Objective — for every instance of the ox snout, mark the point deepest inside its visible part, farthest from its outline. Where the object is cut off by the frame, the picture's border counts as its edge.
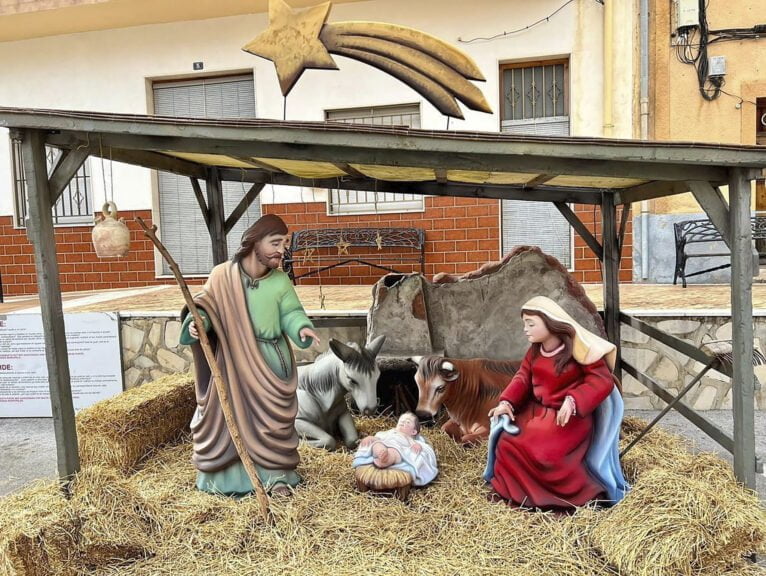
(424, 416)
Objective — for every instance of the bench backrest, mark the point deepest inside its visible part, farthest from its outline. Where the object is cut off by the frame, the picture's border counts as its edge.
(330, 237)
(690, 231)
(703, 230)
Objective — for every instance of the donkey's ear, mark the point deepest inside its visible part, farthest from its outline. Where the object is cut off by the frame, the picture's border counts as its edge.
(415, 359)
(375, 346)
(341, 350)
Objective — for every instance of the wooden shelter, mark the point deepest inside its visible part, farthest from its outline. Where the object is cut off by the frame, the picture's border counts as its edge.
(611, 174)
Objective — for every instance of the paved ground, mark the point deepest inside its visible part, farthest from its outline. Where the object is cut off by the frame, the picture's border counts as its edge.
(666, 298)
(29, 449)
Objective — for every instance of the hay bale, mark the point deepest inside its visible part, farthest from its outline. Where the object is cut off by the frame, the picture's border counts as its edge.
(681, 522)
(116, 522)
(121, 431)
(658, 449)
(38, 532)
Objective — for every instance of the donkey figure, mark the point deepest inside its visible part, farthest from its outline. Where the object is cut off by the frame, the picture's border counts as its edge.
(322, 388)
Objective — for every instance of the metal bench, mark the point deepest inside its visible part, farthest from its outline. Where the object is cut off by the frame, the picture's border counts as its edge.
(353, 245)
(690, 232)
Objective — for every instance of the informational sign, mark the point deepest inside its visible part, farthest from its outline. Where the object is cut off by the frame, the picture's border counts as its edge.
(95, 366)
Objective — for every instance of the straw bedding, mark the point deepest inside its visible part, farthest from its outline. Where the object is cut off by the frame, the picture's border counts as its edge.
(686, 515)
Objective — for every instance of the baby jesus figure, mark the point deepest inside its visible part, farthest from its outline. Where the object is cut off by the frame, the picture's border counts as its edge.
(400, 448)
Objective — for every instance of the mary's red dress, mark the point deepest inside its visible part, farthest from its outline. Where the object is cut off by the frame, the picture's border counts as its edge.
(544, 465)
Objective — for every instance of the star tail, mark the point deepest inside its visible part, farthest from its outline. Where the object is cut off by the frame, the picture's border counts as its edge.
(412, 38)
(419, 69)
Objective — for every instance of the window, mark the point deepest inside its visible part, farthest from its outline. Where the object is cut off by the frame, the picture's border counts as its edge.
(364, 202)
(75, 204)
(535, 98)
(183, 228)
(535, 101)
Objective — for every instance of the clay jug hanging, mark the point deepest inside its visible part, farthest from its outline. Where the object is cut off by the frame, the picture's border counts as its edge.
(111, 237)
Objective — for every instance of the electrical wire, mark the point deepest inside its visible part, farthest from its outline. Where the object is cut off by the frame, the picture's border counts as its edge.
(525, 28)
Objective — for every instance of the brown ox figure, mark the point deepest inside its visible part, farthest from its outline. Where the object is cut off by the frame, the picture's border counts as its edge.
(468, 389)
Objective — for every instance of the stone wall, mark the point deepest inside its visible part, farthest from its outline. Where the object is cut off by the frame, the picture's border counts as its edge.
(674, 370)
(150, 350)
(150, 347)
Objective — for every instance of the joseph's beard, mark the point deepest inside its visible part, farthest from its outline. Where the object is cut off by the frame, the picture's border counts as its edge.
(269, 260)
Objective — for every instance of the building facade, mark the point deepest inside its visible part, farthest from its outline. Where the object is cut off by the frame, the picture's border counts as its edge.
(706, 83)
(551, 67)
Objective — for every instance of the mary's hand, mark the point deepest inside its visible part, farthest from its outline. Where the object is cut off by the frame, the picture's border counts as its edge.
(193, 331)
(503, 408)
(565, 412)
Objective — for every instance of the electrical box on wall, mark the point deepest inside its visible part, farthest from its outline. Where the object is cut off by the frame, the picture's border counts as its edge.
(685, 14)
(716, 66)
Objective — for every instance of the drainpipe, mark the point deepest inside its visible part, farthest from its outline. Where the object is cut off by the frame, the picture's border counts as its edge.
(608, 72)
(644, 116)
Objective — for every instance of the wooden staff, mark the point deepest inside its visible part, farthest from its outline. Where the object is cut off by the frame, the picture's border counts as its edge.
(223, 394)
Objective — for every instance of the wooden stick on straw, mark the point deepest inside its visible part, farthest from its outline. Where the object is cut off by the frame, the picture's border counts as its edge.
(223, 394)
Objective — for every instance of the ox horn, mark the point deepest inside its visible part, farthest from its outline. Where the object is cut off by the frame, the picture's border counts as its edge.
(449, 373)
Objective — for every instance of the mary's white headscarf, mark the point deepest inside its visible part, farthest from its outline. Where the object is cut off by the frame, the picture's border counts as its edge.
(587, 347)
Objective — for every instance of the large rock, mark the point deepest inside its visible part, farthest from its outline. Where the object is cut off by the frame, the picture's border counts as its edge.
(478, 314)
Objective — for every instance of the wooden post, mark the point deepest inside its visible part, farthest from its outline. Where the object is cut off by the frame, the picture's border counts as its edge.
(40, 231)
(217, 221)
(742, 327)
(611, 273)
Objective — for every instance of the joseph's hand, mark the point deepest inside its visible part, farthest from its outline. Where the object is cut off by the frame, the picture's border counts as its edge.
(309, 333)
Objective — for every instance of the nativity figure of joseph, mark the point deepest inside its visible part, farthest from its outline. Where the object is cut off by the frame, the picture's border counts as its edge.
(249, 308)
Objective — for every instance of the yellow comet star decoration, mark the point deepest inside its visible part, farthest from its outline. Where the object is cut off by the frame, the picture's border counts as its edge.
(300, 40)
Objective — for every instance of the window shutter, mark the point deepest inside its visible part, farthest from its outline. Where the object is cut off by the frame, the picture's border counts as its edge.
(535, 103)
(182, 226)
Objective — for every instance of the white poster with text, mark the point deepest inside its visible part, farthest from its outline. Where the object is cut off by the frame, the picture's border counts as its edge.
(95, 366)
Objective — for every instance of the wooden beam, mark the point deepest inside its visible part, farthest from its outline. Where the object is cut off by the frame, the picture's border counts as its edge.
(40, 229)
(67, 166)
(242, 207)
(201, 201)
(308, 134)
(671, 341)
(684, 409)
(495, 191)
(624, 217)
(742, 328)
(158, 161)
(714, 204)
(649, 191)
(350, 170)
(256, 163)
(355, 148)
(217, 222)
(539, 179)
(581, 229)
(441, 175)
(611, 271)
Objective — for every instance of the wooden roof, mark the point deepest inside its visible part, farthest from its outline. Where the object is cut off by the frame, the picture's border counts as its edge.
(363, 157)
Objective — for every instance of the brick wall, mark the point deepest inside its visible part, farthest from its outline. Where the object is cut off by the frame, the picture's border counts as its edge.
(79, 267)
(461, 235)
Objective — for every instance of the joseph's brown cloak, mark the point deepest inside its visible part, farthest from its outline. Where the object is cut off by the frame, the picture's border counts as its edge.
(264, 405)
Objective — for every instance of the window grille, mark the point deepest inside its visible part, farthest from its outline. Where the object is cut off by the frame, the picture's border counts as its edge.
(75, 204)
(370, 202)
(535, 101)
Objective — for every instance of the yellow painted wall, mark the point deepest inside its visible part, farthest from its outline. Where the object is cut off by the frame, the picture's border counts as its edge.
(678, 111)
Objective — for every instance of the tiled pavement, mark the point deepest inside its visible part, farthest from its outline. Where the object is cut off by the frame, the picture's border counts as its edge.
(664, 298)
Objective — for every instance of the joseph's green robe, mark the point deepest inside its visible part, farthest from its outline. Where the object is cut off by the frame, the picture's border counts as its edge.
(273, 310)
